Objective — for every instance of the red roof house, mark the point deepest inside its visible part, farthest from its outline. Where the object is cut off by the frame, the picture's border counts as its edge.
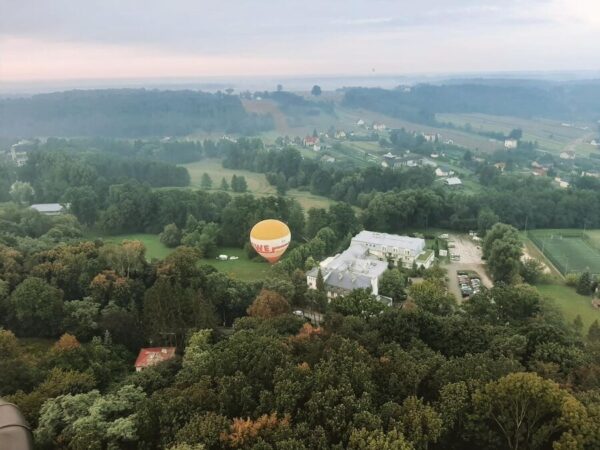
(310, 140)
(151, 356)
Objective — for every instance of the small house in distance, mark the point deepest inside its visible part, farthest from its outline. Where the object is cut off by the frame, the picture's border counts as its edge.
(569, 154)
(311, 141)
(453, 181)
(49, 209)
(511, 144)
(153, 355)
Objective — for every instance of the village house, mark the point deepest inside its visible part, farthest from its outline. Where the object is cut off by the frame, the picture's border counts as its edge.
(362, 264)
(501, 166)
(152, 356)
(360, 123)
(379, 126)
(340, 134)
(443, 171)
(408, 161)
(18, 152)
(310, 141)
(562, 183)
(431, 137)
(511, 144)
(569, 154)
(453, 182)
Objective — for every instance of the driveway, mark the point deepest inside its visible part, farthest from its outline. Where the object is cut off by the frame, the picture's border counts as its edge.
(470, 259)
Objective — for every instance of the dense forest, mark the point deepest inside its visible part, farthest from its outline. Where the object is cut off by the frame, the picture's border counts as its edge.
(502, 371)
(126, 113)
(420, 103)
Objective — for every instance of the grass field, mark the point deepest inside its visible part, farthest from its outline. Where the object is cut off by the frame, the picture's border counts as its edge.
(550, 135)
(241, 269)
(570, 303)
(257, 183)
(569, 251)
(154, 248)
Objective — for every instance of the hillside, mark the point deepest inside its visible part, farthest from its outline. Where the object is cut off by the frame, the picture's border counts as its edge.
(126, 113)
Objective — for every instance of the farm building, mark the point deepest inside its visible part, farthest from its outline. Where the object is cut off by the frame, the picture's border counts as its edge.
(364, 262)
(409, 161)
(310, 141)
(511, 144)
(151, 356)
(49, 209)
(431, 137)
(453, 181)
(443, 171)
(18, 152)
(569, 154)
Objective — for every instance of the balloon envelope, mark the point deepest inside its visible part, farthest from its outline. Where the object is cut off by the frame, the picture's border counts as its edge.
(270, 238)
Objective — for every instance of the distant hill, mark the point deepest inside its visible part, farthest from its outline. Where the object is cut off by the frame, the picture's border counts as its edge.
(126, 113)
(575, 100)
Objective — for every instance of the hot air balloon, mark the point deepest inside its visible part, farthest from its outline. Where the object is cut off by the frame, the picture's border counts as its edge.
(270, 238)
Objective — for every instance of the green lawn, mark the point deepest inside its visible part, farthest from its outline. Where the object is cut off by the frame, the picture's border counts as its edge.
(570, 303)
(241, 269)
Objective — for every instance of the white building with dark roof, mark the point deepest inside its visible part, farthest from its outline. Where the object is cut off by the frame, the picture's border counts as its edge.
(49, 209)
(362, 264)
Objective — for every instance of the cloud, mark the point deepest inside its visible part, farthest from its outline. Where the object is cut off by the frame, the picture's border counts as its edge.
(197, 38)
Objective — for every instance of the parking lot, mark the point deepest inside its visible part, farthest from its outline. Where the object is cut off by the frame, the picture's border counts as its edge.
(469, 261)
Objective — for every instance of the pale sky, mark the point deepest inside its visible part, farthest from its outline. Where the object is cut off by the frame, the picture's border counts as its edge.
(92, 39)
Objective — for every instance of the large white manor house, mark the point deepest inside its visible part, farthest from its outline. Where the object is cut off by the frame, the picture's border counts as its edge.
(362, 264)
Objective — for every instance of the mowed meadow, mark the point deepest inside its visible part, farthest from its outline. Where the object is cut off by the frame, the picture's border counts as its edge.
(257, 183)
(243, 268)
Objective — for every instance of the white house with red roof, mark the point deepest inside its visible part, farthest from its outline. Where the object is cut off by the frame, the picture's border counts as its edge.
(153, 355)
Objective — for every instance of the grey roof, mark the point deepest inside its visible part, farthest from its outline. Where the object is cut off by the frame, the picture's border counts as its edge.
(351, 269)
(391, 240)
(47, 207)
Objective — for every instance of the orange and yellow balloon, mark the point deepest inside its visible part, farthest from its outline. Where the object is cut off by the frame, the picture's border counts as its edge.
(270, 238)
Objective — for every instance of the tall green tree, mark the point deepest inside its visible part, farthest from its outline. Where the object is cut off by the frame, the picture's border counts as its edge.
(35, 308)
(523, 410)
(503, 250)
(206, 181)
(584, 284)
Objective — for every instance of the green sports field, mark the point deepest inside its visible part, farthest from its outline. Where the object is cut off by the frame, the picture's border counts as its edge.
(570, 251)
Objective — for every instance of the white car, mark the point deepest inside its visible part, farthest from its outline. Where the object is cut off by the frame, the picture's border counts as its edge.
(298, 313)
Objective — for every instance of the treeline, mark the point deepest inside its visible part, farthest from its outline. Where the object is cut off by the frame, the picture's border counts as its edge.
(53, 173)
(295, 105)
(287, 168)
(126, 113)
(170, 150)
(420, 103)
